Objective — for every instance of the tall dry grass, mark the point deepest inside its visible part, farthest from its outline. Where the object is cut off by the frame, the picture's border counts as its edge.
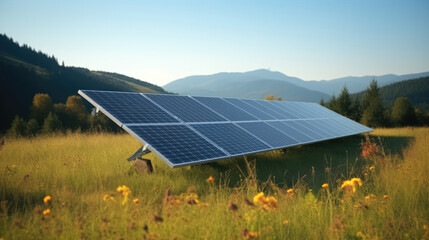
(81, 172)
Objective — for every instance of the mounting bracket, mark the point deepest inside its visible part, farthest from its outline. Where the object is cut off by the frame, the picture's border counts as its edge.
(142, 165)
(139, 153)
(95, 111)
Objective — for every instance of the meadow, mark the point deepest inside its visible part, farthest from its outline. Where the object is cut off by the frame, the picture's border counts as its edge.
(79, 186)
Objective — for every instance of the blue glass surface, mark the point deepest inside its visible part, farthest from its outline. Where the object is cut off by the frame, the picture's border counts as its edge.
(186, 130)
(249, 109)
(178, 143)
(185, 108)
(264, 107)
(291, 132)
(231, 138)
(269, 134)
(129, 107)
(225, 108)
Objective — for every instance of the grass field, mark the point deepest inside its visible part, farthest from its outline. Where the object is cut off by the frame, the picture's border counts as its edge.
(95, 194)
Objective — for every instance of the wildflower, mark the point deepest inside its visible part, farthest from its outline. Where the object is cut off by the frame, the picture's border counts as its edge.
(125, 192)
(350, 185)
(107, 197)
(372, 168)
(190, 198)
(257, 198)
(46, 212)
(385, 196)
(250, 234)
(325, 185)
(369, 197)
(290, 191)
(267, 202)
(47, 199)
(210, 179)
(286, 222)
(136, 201)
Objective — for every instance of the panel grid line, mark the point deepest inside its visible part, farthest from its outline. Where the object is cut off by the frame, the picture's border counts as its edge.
(186, 130)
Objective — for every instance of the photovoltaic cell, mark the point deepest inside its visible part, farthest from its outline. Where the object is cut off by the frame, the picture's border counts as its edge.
(185, 130)
(185, 108)
(225, 108)
(177, 143)
(266, 108)
(129, 107)
(290, 131)
(269, 134)
(231, 138)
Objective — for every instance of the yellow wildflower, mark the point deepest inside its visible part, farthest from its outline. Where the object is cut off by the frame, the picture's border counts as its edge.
(210, 179)
(125, 192)
(289, 191)
(372, 168)
(190, 198)
(286, 222)
(47, 199)
(136, 200)
(351, 185)
(257, 198)
(325, 185)
(107, 197)
(46, 212)
(267, 202)
(385, 196)
(250, 234)
(369, 197)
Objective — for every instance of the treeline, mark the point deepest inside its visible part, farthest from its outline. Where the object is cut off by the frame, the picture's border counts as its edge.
(26, 53)
(47, 117)
(370, 109)
(25, 72)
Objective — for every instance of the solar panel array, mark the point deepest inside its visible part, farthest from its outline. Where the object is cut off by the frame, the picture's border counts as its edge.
(185, 130)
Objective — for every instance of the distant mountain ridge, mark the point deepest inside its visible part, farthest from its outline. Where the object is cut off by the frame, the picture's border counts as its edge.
(270, 82)
(25, 72)
(253, 84)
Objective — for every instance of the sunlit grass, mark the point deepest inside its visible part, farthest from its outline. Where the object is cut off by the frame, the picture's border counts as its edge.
(86, 178)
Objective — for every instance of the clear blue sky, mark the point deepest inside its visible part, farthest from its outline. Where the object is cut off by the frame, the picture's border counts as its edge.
(160, 41)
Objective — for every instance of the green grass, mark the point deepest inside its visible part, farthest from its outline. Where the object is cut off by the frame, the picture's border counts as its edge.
(77, 170)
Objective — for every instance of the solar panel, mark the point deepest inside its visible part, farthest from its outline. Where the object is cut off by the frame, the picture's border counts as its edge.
(185, 130)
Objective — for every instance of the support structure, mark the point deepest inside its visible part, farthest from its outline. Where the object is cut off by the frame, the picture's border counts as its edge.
(143, 165)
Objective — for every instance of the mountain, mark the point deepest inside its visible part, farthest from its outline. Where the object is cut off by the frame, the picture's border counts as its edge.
(254, 84)
(357, 84)
(289, 88)
(25, 72)
(416, 90)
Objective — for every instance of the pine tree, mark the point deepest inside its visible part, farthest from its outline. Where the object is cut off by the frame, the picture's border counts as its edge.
(374, 113)
(344, 103)
(51, 123)
(403, 113)
(18, 127)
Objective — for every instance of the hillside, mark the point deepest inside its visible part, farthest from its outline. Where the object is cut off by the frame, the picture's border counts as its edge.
(416, 90)
(255, 84)
(290, 88)
(25, 72)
